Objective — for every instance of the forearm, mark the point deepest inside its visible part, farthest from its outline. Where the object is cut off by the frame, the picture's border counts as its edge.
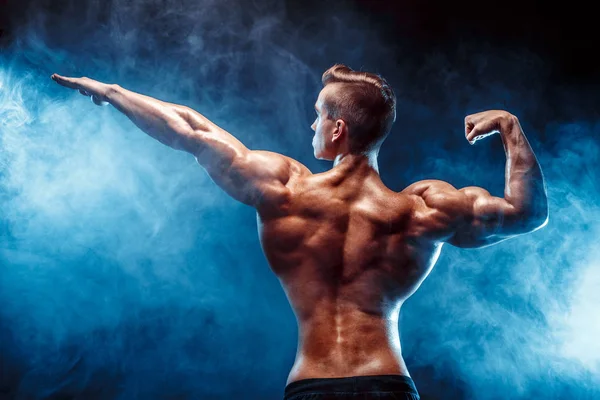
(176, 126)
(524, 187)
(166, 122)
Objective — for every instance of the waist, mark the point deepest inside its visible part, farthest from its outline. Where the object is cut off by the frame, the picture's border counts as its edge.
(381, 362)
(352, 384)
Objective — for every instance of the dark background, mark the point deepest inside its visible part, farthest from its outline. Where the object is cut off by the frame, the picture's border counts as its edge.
(126, 273)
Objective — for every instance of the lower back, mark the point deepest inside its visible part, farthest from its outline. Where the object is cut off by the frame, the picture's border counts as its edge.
(348, 343)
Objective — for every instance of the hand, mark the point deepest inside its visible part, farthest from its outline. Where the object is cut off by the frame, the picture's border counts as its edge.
(86, 86)
(486, 123)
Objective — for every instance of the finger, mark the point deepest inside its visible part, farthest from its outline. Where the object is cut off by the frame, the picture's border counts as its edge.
(473, 134)
(71, 83)
(468, 127)
(473, 120)
(478, 133)
(473, 131)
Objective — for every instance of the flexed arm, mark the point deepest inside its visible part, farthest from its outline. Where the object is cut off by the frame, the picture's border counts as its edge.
(256, 178)
(471, 217)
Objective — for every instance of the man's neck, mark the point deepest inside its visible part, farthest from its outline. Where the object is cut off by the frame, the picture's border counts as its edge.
(357, 161)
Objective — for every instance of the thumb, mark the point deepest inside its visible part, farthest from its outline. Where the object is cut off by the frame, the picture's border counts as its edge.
(472, 132)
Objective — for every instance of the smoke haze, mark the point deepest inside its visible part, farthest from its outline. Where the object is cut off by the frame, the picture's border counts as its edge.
(126, 272)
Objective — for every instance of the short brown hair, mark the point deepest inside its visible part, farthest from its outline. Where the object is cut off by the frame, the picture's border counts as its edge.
(367, 104)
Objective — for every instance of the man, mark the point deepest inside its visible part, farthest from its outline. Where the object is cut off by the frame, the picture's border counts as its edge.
(347, 250)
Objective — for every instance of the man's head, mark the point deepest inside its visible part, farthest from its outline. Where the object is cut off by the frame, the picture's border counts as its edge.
(355, 112)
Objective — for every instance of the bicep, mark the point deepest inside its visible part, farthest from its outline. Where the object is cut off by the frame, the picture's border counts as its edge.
(483, 219)
(467, 217)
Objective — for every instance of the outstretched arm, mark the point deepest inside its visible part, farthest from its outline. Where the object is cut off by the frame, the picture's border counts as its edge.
(471, 217)
(256, 178)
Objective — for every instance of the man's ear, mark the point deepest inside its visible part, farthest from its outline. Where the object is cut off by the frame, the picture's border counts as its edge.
(340, 130)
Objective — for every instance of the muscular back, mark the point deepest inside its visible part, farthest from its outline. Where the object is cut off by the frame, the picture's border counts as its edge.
(347, 251)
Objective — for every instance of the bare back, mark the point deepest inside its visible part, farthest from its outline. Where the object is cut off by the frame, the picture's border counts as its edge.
(347, 253)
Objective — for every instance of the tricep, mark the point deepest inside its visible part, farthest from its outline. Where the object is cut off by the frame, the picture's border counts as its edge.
(468, 217)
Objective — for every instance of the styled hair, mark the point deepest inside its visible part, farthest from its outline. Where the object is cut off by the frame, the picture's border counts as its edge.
(365, 101)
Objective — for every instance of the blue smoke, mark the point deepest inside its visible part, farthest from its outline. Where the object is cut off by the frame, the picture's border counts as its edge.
(126, 273)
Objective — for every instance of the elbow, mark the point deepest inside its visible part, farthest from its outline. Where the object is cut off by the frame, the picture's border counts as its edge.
(189, 141)
(537, 224)
(537, 220)
(535, 215)
(542, 216)
(186, 136)
(543, 220)
(525, 222)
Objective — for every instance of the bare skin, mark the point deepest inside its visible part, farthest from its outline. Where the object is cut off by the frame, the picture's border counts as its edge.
(347, 250)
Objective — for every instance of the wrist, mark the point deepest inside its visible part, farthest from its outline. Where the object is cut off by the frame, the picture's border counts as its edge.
(510, 132)
(507, 124)
(110, 91)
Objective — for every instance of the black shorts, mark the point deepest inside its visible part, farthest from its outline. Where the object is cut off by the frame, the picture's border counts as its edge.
(381, 387)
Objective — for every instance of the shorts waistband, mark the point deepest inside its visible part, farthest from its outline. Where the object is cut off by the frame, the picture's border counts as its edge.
(368, 383)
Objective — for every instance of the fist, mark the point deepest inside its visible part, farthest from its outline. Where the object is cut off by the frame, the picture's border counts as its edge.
(486, 123)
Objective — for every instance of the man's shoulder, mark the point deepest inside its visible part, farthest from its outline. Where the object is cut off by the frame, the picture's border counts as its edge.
(420, 187)
(275, 200)
(294, 166)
